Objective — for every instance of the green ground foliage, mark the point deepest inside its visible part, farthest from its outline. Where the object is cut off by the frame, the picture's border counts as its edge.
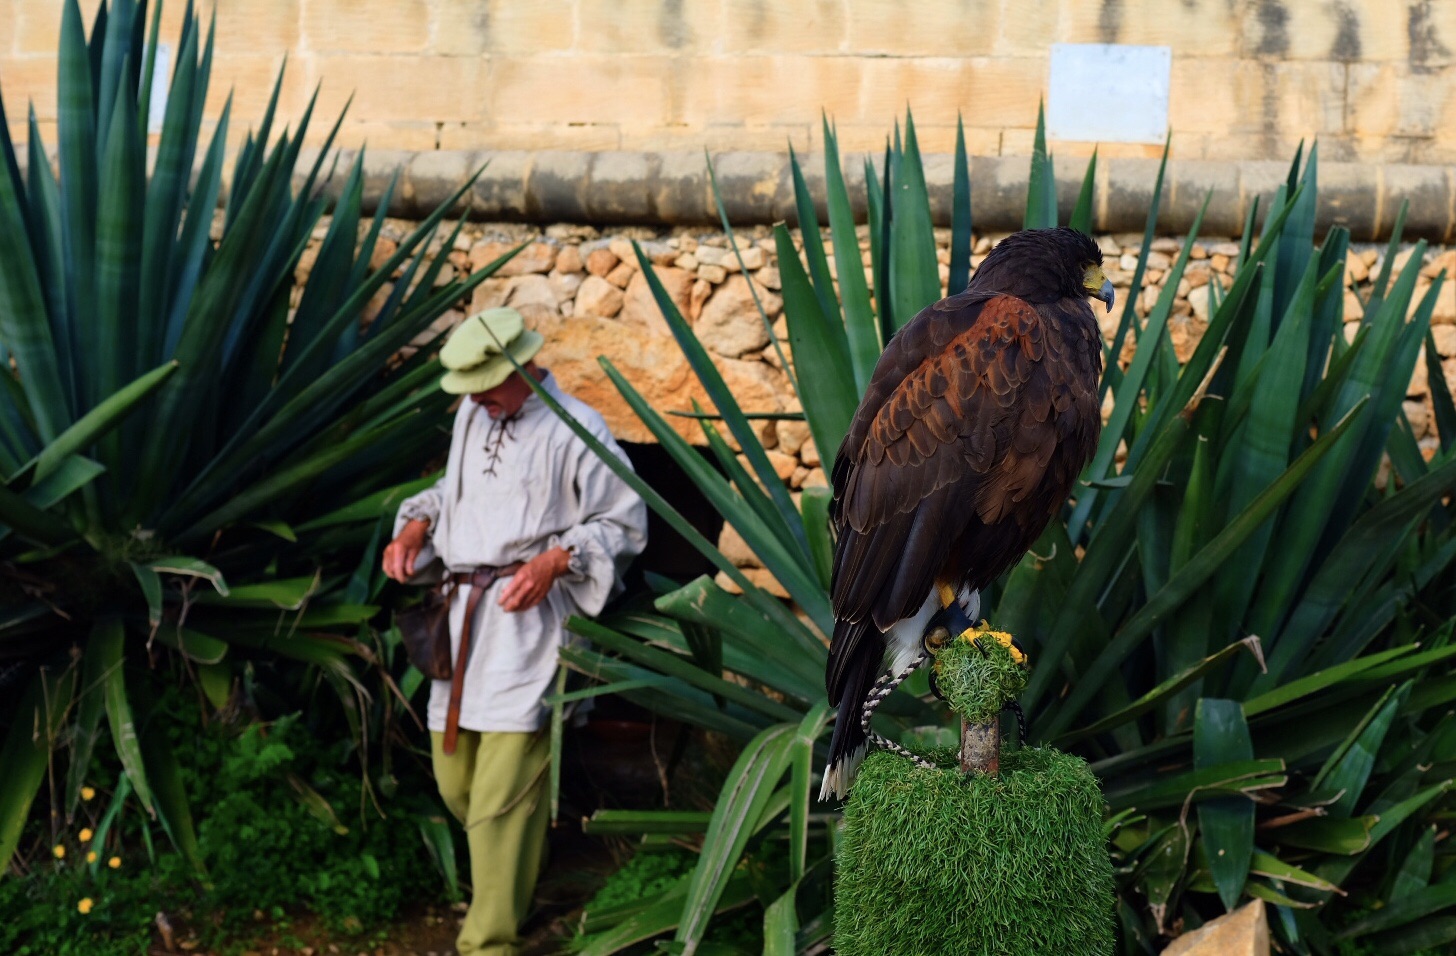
(978, 676)
(938, 861)
(643, 875)
(291, 831)
(629, 894)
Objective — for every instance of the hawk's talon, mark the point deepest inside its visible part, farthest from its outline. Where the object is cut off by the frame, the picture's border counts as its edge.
(935, 687)
(976, 643)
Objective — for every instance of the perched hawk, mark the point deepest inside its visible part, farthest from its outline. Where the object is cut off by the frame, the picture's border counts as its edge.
(980, 415)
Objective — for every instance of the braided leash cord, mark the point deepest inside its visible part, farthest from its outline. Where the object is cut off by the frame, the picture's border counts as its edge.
(883, 688)
(1015, 708)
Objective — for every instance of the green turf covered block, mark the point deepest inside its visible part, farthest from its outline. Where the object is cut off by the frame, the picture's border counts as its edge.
(938, 861)
(943, 863)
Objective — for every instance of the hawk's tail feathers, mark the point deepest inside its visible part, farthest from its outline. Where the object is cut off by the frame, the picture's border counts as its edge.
(849, 745)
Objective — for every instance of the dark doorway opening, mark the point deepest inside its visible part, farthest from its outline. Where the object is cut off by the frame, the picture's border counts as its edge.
(669, 553)
(622, 755)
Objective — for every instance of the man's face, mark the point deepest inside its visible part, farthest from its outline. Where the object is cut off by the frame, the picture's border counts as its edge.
(505, 399)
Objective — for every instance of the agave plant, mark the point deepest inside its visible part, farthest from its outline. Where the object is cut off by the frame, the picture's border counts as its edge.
(1245, 635)
(194, 455)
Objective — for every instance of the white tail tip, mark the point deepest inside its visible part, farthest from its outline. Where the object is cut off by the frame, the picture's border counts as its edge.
(839, 775)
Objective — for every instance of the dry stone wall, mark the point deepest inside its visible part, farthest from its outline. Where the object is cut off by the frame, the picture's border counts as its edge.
(584, 290)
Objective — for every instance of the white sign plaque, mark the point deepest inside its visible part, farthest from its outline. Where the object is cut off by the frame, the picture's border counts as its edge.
(1109, 93)
(157, 108)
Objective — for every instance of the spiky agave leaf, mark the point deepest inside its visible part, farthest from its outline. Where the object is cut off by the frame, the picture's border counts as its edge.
(171, 421)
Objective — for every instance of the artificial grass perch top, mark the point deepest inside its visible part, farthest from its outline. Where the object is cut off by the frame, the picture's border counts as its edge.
(979, 673)
(940, 862)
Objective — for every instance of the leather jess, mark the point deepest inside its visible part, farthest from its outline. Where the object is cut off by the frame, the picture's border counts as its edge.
(480, 581)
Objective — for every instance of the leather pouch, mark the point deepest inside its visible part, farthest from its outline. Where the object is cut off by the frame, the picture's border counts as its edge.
(426, 632)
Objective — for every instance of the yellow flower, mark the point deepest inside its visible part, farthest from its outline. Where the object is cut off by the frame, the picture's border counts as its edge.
(87, 793)
(59, 851)
(91, 857)
(114, 863)
(85, 905)
(86, 834)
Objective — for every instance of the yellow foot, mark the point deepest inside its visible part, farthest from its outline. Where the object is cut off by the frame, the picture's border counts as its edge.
(976, 634)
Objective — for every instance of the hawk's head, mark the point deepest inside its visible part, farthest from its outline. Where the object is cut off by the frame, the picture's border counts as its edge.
(1045, 265)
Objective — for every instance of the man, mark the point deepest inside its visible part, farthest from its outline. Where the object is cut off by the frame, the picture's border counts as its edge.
(533, 525)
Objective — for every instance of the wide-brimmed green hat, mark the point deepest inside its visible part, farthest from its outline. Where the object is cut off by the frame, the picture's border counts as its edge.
(472, 355)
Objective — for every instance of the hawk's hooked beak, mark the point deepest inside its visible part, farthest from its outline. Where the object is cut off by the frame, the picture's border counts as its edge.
(1098, 286)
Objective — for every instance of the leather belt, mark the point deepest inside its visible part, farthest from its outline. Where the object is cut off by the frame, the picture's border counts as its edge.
(480, 581)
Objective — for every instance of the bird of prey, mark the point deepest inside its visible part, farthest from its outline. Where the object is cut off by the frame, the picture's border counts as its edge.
(980, 414)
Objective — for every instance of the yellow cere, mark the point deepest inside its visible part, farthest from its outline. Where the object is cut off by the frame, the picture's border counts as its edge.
(1094, 278)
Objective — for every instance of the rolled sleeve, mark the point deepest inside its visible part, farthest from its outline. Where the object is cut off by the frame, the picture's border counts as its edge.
(611, 532)
(423, 506)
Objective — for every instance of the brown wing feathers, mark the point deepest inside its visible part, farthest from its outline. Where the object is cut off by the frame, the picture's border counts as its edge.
(959, 426)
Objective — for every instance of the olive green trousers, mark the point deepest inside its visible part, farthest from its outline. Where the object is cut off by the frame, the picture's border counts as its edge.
(495, 785)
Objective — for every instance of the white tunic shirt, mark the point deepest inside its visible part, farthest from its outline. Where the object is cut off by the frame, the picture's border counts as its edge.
(513, 489)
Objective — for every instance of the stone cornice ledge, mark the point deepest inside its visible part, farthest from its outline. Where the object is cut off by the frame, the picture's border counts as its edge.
(672, 188)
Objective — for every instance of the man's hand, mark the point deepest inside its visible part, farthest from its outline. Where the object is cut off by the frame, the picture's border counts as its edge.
(528, 587)
(400, 554)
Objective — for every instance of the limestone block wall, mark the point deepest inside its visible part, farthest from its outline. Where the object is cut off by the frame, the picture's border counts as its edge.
(1372, 79)
(584, 290)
